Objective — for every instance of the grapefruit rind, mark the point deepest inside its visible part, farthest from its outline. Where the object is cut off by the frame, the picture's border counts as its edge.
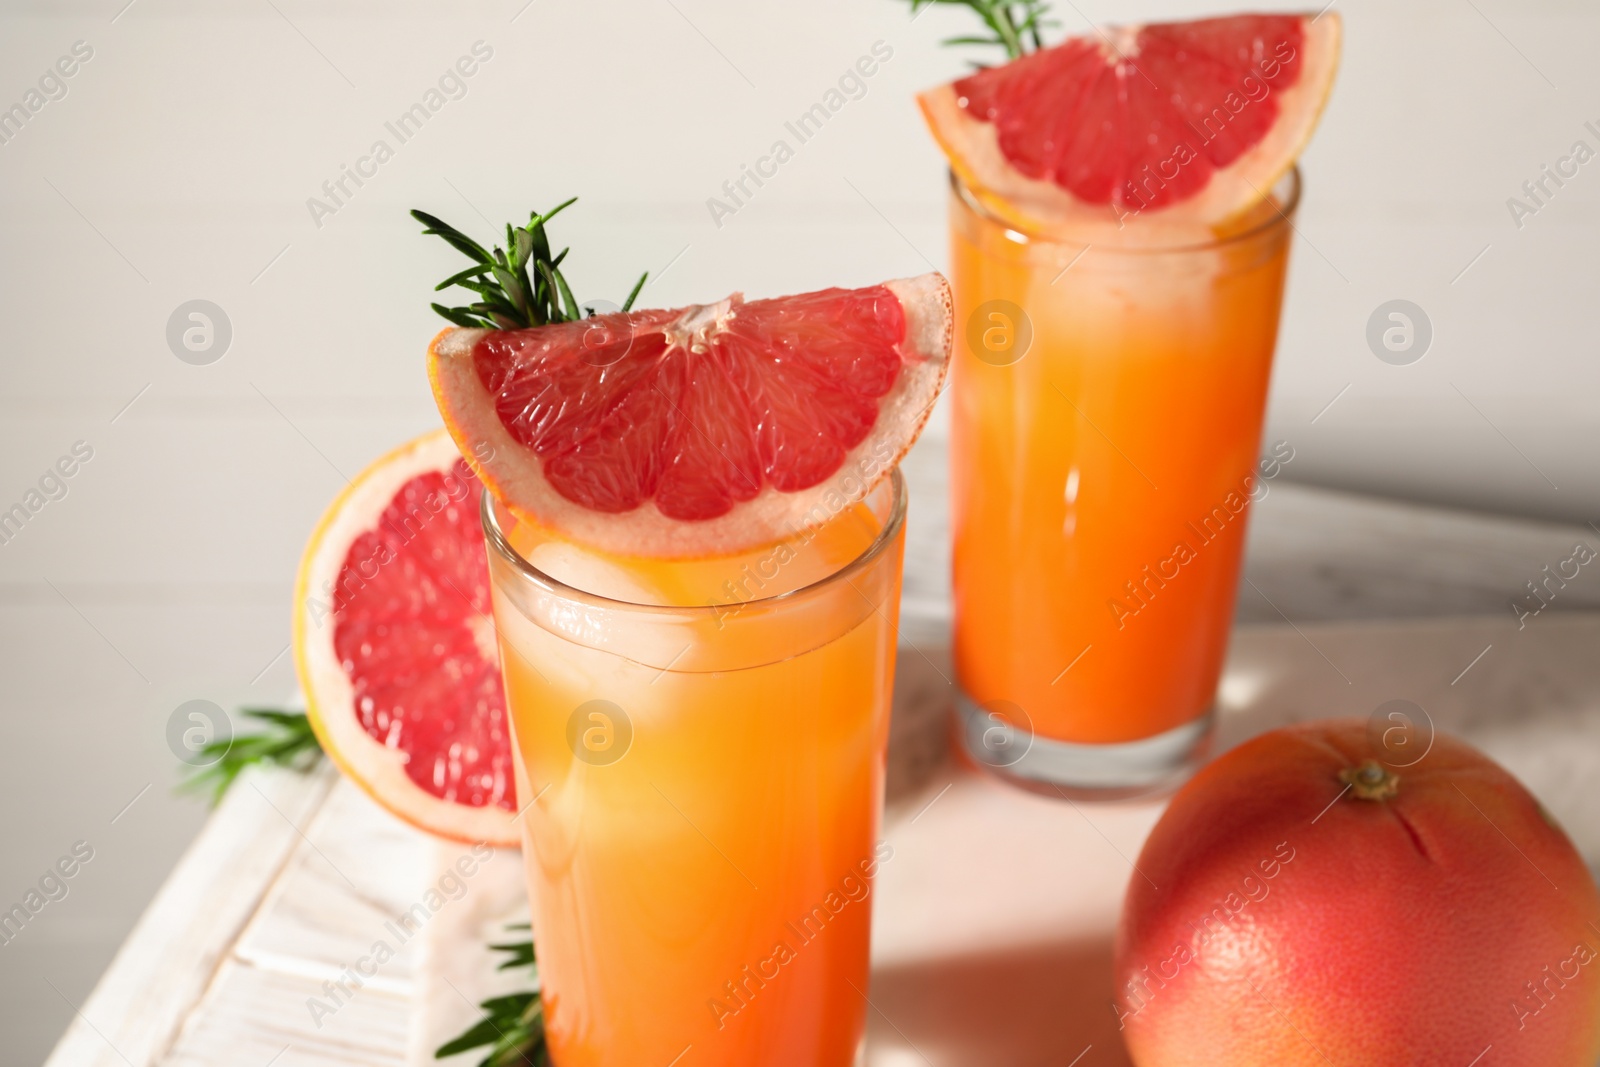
(516, 477)
(1042, 207)
(378, 770)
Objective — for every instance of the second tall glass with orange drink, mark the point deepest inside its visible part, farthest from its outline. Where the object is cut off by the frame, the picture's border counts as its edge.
(1108, 405)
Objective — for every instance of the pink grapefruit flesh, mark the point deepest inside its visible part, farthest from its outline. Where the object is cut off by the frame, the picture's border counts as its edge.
(1190, 122)
(699, 431)
(395, 645)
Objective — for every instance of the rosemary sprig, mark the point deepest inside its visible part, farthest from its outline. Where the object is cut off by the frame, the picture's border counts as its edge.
(512, 1025)
(518, 286)
(286, 741)
(1015, 26)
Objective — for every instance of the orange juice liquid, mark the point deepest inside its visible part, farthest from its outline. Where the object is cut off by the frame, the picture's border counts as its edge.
(1101, 481)
(705, 789)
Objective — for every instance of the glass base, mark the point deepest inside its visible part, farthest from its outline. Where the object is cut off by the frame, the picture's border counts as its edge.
(1082, 771)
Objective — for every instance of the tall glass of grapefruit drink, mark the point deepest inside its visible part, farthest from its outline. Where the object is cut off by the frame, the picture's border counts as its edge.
(1120, 213)
(695, 532)
(705, 781)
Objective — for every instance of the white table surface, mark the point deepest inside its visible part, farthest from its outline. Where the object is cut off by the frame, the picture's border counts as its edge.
(993, 921)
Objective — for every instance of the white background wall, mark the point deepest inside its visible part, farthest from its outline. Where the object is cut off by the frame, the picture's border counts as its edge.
(179, 164)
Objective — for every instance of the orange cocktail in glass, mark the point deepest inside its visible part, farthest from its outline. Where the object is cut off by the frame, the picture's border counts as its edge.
(1120, 223)
(701, 746)
(1108, 403)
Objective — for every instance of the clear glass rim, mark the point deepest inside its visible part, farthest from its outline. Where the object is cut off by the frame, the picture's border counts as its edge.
(1285, 213)
(495, 540)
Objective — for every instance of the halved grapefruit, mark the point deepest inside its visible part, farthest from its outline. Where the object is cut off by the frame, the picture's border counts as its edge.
(395, 645)
(700, 431)
(1180, 124)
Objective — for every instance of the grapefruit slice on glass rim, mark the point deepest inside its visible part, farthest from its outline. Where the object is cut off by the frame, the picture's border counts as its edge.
(395, 646)
(700, 431)
(1180, 124)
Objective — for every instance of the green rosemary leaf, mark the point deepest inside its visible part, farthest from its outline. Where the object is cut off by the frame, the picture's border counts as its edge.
(512, 1027)
(287, 741)
(1016, 24)
(540, 244)
(516, 296)
(541, 240)
(484, 1032)
(510, 1004)
(627, 305)
(459, 316)
(520, 284)
(514, 1050)
(468, 247)
(520, 954)
(541, 292)
(457, 279)
(487, 289)
(522, 251)
(558, 209)
(552, 289)
(276, 715)
(499, 311)
(573, 310)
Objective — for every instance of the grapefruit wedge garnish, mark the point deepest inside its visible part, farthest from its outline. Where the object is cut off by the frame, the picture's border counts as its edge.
(700, 431)
(1180, 124)
(395, 645)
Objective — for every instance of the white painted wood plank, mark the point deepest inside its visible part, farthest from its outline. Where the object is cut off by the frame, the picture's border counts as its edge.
(457, 970)
(255, 1017)
(358, 869)
(328, 967)
(1326, 555)
(164, 966)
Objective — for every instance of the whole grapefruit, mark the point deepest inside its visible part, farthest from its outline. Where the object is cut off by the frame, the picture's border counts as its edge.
(1304, 902)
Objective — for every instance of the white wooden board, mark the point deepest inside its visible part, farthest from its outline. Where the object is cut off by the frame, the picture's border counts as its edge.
(993, 922)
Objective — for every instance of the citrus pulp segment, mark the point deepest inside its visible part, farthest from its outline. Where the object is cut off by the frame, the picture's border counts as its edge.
(395, 646)
(701, 431)
(1173, 126)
